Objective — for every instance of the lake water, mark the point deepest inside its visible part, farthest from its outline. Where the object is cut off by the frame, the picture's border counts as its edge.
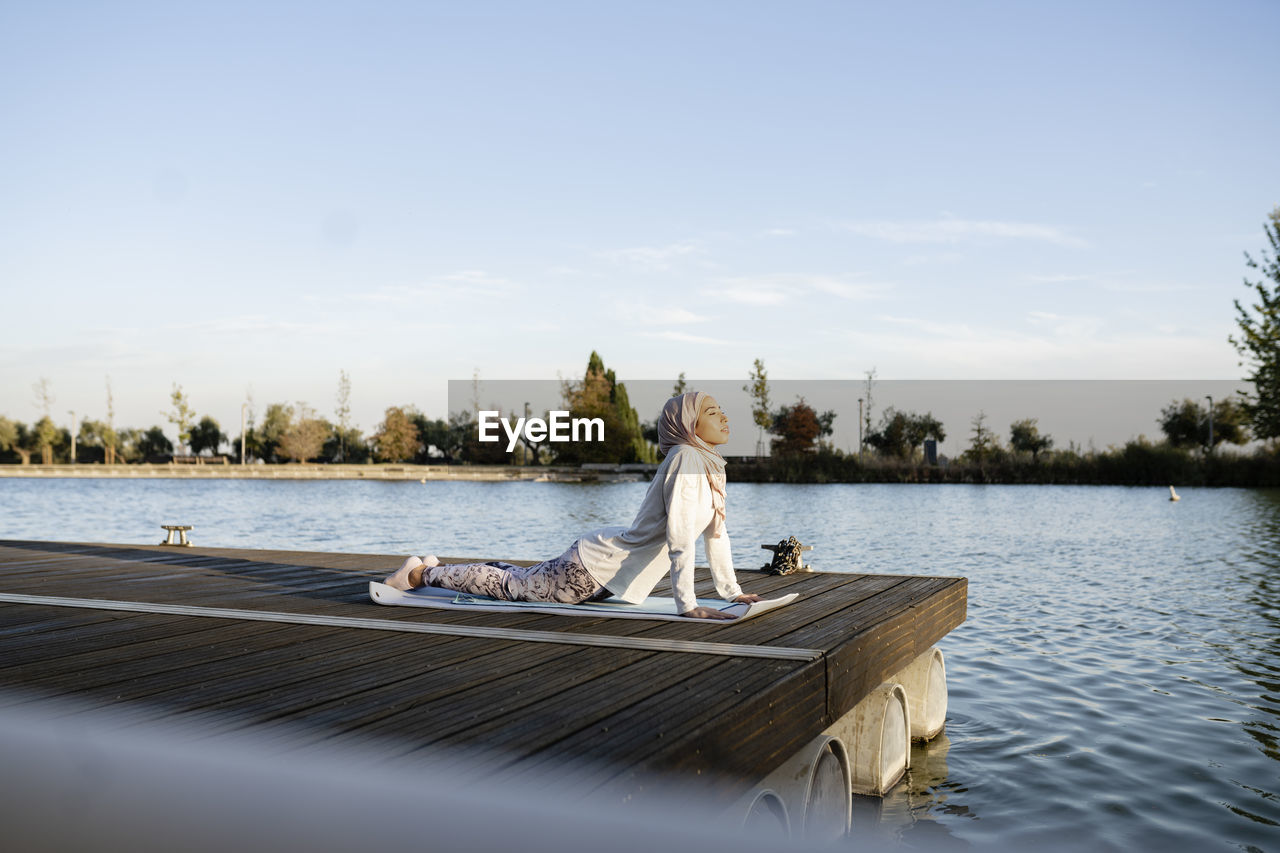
(1116, 685)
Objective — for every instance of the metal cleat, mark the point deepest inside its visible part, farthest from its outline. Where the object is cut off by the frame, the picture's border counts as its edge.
(177, 532)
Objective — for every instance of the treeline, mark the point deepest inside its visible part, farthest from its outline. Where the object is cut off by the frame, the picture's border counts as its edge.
(296, 433)
(902, 448)
(1139, 462)
(285, 433)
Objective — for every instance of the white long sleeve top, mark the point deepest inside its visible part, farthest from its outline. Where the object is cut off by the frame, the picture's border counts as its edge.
(676, 510)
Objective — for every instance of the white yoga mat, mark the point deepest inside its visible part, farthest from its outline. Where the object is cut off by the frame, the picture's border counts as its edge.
(651, 608)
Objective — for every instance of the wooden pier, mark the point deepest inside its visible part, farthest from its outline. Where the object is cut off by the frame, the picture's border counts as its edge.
(289, 642)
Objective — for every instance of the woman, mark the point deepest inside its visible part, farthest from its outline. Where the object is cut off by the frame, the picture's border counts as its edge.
(685, 500)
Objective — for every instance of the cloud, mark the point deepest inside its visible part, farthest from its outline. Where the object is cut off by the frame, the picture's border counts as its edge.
(257, 324)
(657, 316)
(464, 283)
(1059, 278)
(243, 324)
(540, 327)
(477, 278)
(685, 338)
(1049, 346)
(776, 289)
(1067, 326)
(1116, 282)
(748, 292)
(651, 257)
(83, 353)
(946, 258)
(1059, 327)
(1149, 287)
(960, 231)
(845, 289)
(778, 232)
(678, 316)
(930, 328)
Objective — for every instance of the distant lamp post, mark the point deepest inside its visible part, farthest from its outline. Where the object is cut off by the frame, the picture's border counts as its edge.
(74, 430)
(524, 448)
(243, 407)
(1210, 399)
(859, 429)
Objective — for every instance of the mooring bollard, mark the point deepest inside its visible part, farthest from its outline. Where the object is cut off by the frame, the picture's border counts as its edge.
(787, 557)
(179, 531)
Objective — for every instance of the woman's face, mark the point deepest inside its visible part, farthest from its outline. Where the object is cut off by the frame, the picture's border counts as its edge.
(713, 424)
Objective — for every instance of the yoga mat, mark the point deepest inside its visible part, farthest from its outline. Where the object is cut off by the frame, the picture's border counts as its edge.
(653, 607)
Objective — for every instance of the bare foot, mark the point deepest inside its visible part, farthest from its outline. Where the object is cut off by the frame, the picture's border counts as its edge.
(403, 578)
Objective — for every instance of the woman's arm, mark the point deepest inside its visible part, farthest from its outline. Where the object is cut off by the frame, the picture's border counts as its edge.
(720, 559)
(681, 493)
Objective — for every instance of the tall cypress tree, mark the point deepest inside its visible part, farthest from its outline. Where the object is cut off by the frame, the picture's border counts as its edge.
(1259, 341)
(601, 395)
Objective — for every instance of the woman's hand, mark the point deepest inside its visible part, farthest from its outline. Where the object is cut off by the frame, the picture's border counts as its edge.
(748, 598)
(707, 613)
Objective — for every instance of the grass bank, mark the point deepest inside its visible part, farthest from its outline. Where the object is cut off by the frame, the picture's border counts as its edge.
(171, 471)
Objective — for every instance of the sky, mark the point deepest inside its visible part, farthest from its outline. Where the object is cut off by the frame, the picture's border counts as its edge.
(245, 199)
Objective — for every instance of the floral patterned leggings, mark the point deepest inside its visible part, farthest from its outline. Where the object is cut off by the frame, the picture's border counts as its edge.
(563, 580)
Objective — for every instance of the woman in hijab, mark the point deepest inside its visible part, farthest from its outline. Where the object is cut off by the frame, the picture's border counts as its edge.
(685, 500)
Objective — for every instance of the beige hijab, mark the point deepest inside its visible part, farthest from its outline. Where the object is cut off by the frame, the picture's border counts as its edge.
(676, 426)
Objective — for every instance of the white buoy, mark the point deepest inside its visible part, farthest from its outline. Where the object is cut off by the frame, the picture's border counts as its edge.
(829, 803)
(1174, 496)
(867, 751)
(878, 734)
(813, 789)
(766, 816)
(925, 681)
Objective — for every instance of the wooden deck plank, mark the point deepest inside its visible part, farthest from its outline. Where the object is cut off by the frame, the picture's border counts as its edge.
(719, 748)
(222, 676)
(95, 632)
(151, 648)
(464, 705)
(860, 663)
(18, 621)
(672, 725)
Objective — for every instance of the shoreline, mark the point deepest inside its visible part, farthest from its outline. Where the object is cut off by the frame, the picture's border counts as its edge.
(1118, 470)
(465, 473)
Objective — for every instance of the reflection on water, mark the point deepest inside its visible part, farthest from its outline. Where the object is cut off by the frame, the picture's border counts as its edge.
(1116, 685)
(1257, 652)
(922, 808)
